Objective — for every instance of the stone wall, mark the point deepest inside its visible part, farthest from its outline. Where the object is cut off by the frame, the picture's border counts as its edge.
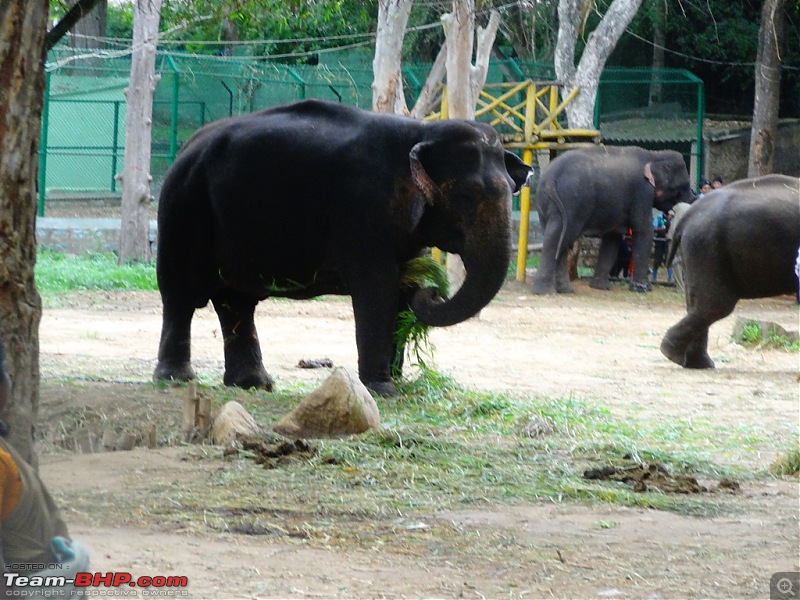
(727, 154)
(78, 236)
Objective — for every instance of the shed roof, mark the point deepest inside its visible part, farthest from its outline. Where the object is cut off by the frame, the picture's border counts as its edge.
(641, 130)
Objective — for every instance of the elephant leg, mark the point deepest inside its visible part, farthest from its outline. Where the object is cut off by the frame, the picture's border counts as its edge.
(563, 284)
(544, 278)
(174, 349)
(606, 257)
(686, 342)
(642, 248)
(243, 363)
(375, 311)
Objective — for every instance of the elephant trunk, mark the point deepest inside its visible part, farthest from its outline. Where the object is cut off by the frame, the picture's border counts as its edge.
(486, 262)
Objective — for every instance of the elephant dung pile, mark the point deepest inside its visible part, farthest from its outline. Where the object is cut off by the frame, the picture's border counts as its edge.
(655, 477)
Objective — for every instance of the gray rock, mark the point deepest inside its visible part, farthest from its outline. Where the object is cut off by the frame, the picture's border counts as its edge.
(340, 406)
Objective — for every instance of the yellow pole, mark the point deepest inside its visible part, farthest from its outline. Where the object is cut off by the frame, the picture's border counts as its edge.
(524, 218)
(436, 255)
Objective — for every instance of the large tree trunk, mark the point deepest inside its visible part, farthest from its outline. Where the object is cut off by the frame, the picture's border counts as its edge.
(134, 235)
(85, 38)
(659, 39)
(572, 15)
(22, 36)
(427, 95)
(465, 81)
(767, 89)
(387, 85)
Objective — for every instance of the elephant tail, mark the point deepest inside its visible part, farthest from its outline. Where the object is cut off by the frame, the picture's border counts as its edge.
(552, 191)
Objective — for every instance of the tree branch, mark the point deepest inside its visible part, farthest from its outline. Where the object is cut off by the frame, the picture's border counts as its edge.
(79, 10)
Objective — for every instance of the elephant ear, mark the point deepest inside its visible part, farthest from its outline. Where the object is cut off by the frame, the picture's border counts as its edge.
(420, 176)
(428, 189)
(518, 171)
(648, 174)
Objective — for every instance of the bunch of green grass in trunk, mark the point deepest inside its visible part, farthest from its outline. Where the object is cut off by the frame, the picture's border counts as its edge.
(411, 335)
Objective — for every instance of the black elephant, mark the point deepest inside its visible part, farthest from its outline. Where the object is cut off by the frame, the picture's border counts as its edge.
(738, 241)
(319, 198)
(602, 192)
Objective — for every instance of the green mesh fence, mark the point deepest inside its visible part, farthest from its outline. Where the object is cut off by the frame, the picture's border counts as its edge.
(657, 109)
(83, 126)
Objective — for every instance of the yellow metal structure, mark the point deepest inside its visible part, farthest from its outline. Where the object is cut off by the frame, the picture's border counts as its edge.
(526, 114)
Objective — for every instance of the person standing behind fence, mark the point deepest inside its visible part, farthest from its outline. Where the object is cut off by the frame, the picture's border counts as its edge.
(660, 227)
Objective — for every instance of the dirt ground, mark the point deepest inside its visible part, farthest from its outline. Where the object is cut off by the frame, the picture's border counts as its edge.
(601, 347)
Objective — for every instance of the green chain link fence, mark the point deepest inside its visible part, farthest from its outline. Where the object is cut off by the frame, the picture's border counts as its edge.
(83, 125)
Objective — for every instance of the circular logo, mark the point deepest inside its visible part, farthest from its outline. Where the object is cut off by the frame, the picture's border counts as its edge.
(784, 585)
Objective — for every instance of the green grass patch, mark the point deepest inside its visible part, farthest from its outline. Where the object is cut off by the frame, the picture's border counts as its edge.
(58, 273)
(444, 446)
(752, 335)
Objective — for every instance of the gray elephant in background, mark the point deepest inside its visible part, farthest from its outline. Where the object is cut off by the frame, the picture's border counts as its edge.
(601, 192)
(739, 241)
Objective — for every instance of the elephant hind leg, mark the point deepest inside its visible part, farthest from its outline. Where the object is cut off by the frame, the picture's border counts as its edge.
(174, 349)
(243, 363)
(686, 342)
(546, 280)
(606, 257)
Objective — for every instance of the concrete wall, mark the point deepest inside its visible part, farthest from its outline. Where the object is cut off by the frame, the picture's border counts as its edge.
(78, 236)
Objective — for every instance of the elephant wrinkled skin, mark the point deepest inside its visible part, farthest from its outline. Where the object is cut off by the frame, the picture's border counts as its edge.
(601, 192)
(319, 198)
(738, 241)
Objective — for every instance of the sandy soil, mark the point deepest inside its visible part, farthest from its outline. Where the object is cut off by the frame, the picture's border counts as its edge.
(601, 347)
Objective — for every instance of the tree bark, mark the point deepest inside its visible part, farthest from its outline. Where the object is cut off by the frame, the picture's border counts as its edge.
(767, 89)
(659, 40)
(387, 85)
(427, 95)
(22, 40)
(134, 235)
(585, 75)
(465, 80)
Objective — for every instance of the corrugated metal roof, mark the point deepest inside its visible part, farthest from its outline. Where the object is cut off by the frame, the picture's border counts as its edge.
(639, 130)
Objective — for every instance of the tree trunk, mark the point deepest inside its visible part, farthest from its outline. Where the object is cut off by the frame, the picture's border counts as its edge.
(767, 89)
(465, 81)
(229, 32)
(387, 85)
(659, 39)
(134, 235)
(427, 98)
(22, 39)
(572, 15)
(85, 38)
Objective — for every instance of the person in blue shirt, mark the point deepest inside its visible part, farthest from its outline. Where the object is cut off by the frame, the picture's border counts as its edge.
(660, 228)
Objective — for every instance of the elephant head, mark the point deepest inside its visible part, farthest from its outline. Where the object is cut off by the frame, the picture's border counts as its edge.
(465, 181)
(667, 173)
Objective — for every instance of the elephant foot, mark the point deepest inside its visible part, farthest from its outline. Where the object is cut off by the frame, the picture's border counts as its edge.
(382, 388)
(600, 284)
(640, 287)
(255, 377)
(564, 287)
(669, 350)
(698, 360)
(688, 360)
(542, 288)
(173, 372)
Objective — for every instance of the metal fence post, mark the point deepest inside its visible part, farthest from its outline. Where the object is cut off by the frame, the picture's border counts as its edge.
(173, 119)
(43, 146)
(115, 147)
